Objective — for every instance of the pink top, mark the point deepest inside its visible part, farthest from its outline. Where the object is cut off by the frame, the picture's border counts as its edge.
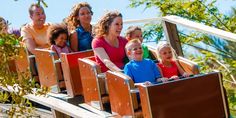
(169, 71)
(60, 50)
(116, 55)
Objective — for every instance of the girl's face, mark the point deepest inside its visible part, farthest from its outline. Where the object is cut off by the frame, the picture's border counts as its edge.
(61, 40)
(84, 15)
(166, 54)
(136, 52)
(137, 34)
(116, 27)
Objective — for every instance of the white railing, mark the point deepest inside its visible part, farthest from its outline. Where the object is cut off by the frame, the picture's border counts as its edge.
(200, 27)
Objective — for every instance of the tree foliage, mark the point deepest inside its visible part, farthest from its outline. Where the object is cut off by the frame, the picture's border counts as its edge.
(17, 84)
(214, 53)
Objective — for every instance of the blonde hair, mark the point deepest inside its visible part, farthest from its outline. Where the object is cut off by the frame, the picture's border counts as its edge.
(72, 20)
(102, 27)
(162, 45)
(128, 46)
(130, 30)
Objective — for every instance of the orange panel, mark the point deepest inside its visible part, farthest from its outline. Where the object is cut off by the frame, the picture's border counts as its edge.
(91, 90)
(71, 72)
(119, 92)
(49, 73)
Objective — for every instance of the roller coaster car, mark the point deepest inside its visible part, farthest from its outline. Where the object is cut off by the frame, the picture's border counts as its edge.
(200, 96)
(93, 83)
(60, 73)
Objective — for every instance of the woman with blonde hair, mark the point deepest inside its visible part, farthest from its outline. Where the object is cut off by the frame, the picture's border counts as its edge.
(108, 45)
(80, 28)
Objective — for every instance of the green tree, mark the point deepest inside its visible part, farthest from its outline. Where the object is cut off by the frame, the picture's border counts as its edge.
(221, 55)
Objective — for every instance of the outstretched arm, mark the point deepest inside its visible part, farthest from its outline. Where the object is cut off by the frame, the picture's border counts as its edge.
(102, 55)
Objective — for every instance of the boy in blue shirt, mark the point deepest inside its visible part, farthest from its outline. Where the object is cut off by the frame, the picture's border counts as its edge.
(139, 69)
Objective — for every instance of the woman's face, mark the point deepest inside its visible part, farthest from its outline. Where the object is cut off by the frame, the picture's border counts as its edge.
(116, 27)
(84, 15)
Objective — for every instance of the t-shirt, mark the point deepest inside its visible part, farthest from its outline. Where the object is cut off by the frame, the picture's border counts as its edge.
(142, 71)
(60, 50)
(28, 32)
(84, 39)
(169, 71)
(115, 54)
(145, 51)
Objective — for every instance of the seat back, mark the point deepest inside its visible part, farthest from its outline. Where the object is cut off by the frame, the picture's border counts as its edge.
(49, 69)
(123, 101)
(71, 73)
(25, 63)
(201, 96)
(90, 82)
(22, 63)
(189, 66)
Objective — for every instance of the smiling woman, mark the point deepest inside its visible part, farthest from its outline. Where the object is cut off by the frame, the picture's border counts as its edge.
(79, 24)
(108, 41)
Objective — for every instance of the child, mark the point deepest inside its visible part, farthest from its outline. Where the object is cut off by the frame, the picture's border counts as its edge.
(139, 69)
(169, 68)
(58, 36)
(136, 32)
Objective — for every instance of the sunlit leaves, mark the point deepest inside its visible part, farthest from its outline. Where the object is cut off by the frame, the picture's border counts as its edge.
(21, 83)
(214, 53)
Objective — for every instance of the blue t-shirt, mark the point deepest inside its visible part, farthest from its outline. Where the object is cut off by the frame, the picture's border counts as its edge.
(142, 71)
(84, 39)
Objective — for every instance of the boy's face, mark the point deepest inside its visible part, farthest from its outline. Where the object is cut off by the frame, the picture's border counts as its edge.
(137, 34)
(136, 52)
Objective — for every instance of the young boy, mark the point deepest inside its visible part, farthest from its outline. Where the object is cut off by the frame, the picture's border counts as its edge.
(141, 70)
(136, 32)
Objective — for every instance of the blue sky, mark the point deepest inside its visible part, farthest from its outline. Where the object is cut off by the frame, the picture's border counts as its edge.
(17, 12)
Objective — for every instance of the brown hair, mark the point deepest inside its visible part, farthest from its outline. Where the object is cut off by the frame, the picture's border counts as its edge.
(55, 30)
(102, 27)
(3, 24)
(130, 30)
(31, 8)
(71, 20)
